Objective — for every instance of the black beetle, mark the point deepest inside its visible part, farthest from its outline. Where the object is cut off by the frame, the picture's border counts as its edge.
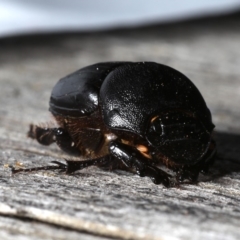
(132, 116)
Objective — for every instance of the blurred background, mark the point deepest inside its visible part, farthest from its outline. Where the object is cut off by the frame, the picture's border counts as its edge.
(18, 17)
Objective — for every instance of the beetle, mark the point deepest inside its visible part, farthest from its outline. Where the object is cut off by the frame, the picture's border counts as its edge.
(144, 117)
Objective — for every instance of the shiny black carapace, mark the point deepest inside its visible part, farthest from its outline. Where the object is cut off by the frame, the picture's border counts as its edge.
(143, 117)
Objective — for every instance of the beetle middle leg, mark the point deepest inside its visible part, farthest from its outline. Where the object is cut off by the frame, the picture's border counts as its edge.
(58, 166)
(132, 158)
(69, 167)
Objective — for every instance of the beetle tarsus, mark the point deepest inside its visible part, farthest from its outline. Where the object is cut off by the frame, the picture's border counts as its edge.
(60, 166)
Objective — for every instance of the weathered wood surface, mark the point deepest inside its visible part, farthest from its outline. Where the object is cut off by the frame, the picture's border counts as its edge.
(96, 204)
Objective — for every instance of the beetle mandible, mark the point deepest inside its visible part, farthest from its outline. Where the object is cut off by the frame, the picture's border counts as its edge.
(133, 116)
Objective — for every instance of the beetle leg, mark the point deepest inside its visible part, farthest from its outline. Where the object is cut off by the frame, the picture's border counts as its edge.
(59, 166)
(70, 167)
(132, 158)
(73, 166)
(47, 136)
(113, 163)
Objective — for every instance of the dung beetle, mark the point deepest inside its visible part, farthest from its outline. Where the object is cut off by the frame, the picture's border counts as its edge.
(143, 117)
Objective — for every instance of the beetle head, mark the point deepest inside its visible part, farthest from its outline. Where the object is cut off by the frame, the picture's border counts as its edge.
(178, 135)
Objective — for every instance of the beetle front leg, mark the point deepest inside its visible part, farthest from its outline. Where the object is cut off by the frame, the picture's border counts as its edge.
(132, 158)
(73, 166)
(69, 168)
(47, 136)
